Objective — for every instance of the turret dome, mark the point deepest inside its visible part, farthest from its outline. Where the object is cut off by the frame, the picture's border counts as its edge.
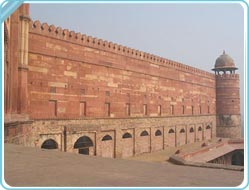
(224, 62)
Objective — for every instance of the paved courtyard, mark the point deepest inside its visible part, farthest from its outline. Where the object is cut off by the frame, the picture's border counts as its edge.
(35, 167)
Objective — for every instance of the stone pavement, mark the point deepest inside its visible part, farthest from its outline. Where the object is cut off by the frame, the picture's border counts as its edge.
(26, 166)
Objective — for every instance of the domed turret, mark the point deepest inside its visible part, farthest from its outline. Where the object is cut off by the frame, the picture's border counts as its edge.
(224, 63)
(227, 98)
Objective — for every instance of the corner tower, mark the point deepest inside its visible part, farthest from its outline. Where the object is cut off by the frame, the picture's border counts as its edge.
(227, 98)
(16, 39)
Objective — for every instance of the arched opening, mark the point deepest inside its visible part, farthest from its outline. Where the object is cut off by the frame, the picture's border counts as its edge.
(158, 133)
(208, 127)
(182, 131)
(191, 130)
(83, 144)
(199, 129)
(144, 133)
(49, 144)
(171, 131)
(238, 158)
(107, 138)
(127, 135)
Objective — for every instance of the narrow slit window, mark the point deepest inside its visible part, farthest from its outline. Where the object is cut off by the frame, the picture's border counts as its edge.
(128, 109)
(108, 109)
(159, 110)
(82, 109)
(145, 109)
(52, 108)
(172, 109)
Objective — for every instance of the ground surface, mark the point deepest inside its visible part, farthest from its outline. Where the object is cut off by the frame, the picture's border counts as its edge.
(35, 167)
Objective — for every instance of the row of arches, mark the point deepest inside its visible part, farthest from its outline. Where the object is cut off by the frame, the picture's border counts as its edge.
(130, 145)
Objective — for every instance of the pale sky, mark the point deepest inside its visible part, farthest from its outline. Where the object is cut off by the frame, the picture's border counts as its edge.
(190, 33)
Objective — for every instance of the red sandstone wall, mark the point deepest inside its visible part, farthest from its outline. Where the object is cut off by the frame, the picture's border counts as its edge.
(228, 106)
(228, 96)
(66, 69)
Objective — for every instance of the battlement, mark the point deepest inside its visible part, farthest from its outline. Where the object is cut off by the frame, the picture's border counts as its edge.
(92, 42)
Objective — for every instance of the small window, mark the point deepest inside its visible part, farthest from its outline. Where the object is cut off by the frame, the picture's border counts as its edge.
(199, 129)
(107, 138)
(208, 127)
(192, 108)
(182, 131)
(158, 133)
(126, 136)
(49, 144)
(82, 109)
(144, 133)
(200, 109)
(128, 109)
(172, 109)
(171, 131)
(183, 109)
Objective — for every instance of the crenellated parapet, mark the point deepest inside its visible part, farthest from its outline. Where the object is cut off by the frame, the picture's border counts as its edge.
(92, 42)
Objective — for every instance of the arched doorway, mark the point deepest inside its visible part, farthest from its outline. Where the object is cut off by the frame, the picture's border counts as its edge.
(208, 132)
(238, 158)
(182, 137)
(143, 142)
(49, 144)
(199, 134)
(191, 135)
(157, 141)
(107, 146)
(127, 145)
(83, 144)
(171, 138)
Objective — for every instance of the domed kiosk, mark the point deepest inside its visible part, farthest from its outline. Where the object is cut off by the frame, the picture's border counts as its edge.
(224, 63)
(227, 98)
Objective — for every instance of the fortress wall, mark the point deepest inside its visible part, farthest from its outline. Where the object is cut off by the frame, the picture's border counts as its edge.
(78, 76)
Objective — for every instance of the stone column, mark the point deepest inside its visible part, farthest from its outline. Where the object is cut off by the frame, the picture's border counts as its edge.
(23, 65)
